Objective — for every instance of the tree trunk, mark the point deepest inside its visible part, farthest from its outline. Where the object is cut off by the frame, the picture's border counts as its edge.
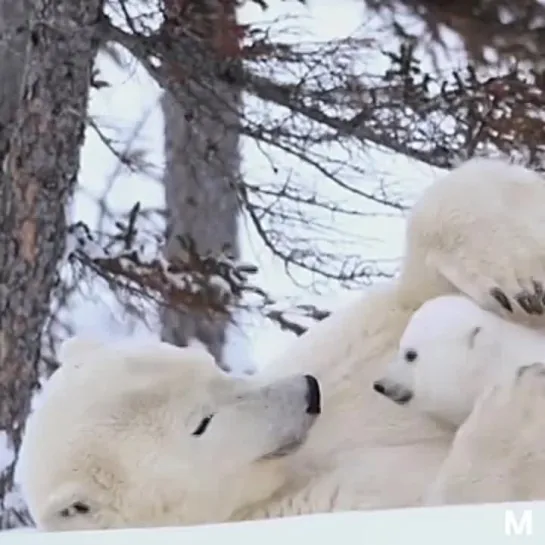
(202, 158)
(13, 46)
(41, 162)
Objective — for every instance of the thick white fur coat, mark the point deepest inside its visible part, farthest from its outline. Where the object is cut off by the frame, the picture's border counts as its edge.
(117, 446)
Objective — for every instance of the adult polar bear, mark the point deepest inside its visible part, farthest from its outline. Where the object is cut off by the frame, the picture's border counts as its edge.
(464, 234)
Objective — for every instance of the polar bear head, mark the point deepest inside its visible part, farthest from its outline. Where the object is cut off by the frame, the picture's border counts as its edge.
(157, 435)
(449, 352)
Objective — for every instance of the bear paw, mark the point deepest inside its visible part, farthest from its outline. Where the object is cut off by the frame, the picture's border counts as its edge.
(517, 402)
(526, 393)
(530, 300)
(516, 295)
(530, 373)
(497, 454)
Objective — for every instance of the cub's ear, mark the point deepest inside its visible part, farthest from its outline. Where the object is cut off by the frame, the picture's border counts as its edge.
(76, 349)
(473, 335)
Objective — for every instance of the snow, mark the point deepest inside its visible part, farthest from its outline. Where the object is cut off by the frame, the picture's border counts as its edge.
(484, 524)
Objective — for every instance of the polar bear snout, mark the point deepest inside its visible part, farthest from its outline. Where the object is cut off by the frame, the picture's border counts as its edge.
(392, 390)
(379, 387)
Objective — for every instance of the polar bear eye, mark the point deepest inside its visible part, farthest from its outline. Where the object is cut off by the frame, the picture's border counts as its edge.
(411, 355)
(201, 428)
(77, 508)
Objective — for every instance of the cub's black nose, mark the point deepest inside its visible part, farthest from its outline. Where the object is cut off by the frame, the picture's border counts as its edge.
(313, 395)
(379, 387)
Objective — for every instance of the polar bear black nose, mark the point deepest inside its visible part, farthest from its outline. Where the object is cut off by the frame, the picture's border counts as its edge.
(379, 387)
(313, 395)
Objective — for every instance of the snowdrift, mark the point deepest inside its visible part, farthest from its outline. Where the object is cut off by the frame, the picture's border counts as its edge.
(493, 524)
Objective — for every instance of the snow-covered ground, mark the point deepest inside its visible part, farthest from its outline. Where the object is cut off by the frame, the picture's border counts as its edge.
(484, 524)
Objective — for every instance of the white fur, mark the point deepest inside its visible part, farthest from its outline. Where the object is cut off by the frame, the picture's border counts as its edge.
(482, 226)
(450, 352)
(121, 441)
(117, 435)
(73, 349)
(498, 453)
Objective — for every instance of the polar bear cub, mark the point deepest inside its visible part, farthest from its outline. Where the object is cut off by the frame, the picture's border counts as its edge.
(158, 435)
(450, 351)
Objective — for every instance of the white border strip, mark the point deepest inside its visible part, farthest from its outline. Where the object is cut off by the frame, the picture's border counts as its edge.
(492, 524)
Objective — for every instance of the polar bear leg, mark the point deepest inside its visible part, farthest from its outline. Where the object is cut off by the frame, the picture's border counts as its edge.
(498, 454)
(510, 295)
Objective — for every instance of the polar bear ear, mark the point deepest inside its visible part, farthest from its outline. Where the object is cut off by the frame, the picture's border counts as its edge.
(77, 348)
(473, 335)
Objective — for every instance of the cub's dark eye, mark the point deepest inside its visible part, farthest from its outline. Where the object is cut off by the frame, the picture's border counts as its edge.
(77, 508)
(411, 355)
(201, 428)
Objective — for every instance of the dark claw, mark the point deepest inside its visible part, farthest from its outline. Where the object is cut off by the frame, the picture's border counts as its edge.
(538, 306)
(524, 301)
(522, 370)
(501, 298)
(530, 303)
(538, 289)
(538, 366)
(540, 292)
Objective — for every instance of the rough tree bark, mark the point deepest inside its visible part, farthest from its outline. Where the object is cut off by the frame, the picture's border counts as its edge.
(40, 166)
(202, 160)
(13, 45)
(13, 49)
